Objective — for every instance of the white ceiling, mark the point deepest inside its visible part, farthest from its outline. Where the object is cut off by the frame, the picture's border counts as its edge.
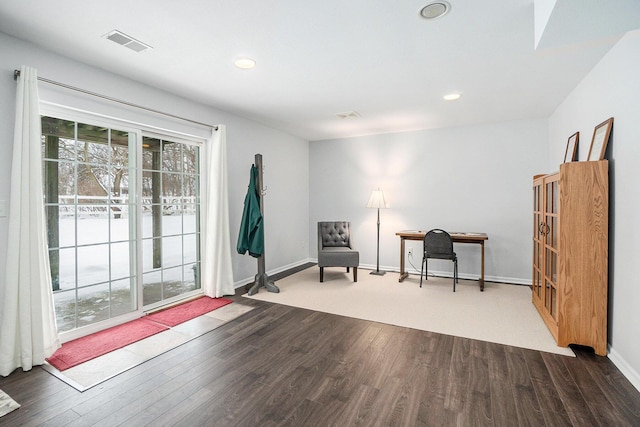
(316, 59)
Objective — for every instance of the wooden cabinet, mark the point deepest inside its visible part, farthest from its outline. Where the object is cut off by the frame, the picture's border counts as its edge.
(570, 253)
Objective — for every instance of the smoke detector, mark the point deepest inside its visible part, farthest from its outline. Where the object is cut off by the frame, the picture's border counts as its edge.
(435, 10)
(126, 41)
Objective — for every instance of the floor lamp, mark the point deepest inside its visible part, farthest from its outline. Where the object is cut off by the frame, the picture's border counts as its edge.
(377, 201)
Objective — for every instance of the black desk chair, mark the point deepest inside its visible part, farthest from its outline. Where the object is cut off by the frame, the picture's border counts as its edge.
(438, 244)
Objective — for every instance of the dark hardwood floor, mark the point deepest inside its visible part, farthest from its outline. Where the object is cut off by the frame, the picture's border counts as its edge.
(279, 366)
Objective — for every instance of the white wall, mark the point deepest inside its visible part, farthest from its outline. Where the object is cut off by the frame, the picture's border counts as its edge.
(612, 88)
(285, 157)
(475, 178)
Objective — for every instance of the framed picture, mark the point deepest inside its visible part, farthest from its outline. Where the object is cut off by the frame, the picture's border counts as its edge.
(572, 148)
(600, 140)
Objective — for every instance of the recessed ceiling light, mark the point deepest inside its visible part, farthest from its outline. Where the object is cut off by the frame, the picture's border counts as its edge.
(245, 63)
(435, 10)
(126, 41)
(452, 96)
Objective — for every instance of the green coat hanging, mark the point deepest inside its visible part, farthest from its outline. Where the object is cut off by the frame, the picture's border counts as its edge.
(251, 236)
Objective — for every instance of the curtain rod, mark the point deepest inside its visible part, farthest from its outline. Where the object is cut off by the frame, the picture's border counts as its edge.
(16, 74)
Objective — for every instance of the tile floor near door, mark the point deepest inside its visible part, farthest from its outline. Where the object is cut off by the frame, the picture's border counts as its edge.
(95, 371)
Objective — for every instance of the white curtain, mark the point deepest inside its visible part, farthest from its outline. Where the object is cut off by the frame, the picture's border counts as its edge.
(28, 331)
(217, 274)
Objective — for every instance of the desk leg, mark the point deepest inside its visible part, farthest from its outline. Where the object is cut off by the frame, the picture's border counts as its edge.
(482, 267)
(403, 275)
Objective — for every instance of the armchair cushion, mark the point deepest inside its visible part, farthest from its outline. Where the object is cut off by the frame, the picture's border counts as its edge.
(334, 234)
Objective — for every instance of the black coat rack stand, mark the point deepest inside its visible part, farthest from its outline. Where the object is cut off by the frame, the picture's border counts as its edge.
(261, 279)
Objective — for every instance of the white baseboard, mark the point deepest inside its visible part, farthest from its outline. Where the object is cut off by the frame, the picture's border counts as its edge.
(626, 369)
(466, 276)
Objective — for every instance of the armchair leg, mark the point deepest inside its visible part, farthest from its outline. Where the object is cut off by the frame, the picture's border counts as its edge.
(321, 274)
(355, 273)
(347, 269)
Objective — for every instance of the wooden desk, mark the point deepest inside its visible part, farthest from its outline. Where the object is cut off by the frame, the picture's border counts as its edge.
(457, 237)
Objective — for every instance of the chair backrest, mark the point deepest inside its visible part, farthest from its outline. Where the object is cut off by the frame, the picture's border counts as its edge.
(438, 244)
(334, 234)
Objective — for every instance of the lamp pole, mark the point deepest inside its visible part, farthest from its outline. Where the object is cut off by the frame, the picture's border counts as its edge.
(377, 200)
(378, 272)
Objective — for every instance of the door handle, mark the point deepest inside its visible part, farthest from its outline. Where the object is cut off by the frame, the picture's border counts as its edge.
(543, 229)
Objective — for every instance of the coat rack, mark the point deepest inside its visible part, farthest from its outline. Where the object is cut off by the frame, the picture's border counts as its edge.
(261, 279)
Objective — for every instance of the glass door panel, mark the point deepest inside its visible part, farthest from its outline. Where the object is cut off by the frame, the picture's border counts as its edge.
(87, 172)
(553, 231)
(537, 240)
(170, 226)
(554, 267)
(553, 301)
(552, 197)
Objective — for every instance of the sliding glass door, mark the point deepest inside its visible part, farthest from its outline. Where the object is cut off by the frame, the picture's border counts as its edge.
(122, 224)
(170, 224)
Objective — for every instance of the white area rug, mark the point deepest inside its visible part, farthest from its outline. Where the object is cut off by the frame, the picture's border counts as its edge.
(502, 314)
(7, 404)
(95, 371)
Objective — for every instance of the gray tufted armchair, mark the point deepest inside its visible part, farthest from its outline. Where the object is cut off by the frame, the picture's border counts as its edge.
(335, 247)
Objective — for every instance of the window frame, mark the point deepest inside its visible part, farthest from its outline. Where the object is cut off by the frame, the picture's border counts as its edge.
(140, 130)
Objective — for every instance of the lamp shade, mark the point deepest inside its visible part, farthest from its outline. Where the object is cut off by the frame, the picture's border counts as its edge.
(377, 200)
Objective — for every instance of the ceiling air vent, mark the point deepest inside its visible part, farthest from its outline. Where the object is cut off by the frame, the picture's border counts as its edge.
(348, 115)
(127, 41)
